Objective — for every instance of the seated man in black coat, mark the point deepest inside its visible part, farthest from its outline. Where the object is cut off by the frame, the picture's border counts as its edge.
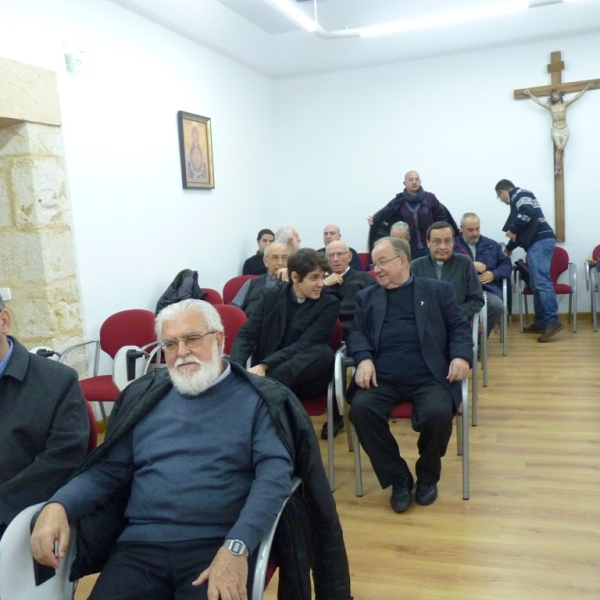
(255, 265)
(411, 343)
(44, 425)
(332, 233)
(288, 332)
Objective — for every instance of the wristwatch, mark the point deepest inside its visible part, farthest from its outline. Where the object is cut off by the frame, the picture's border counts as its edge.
(236, 547)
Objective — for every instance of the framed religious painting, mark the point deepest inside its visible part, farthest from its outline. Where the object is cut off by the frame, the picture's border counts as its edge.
(195, 149)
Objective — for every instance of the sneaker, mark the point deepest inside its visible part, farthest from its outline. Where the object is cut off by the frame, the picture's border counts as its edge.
(550, 331)
(533, 328)
(338, 425)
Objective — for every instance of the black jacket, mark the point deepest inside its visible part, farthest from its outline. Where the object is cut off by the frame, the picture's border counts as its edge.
(309, 534)
(261, 335)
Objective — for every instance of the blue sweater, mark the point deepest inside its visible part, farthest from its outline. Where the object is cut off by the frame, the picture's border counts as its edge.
(525, 208)
(210, 466)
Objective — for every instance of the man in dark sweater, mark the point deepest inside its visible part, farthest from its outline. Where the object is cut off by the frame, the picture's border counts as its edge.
(527, 227)
(411, 343)
(203, 495)
(345, 281)
(44, 425)
(255, 264)
(456, 269)
(332, 233)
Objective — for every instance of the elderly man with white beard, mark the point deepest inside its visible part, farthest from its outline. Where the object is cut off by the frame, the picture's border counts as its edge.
(190, 478)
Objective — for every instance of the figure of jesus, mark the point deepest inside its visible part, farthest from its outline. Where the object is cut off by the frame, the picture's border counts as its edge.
(560, 129)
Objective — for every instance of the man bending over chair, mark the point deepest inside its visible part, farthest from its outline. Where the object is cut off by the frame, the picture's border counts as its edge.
(411, 343)
(44, 425)
(194, 469)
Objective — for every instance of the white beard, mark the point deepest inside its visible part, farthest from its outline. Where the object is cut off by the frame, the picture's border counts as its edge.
(194, 383)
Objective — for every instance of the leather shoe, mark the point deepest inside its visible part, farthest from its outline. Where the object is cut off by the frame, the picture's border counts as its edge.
(426, 493)
(533, 328)
(402, 494)
(338, 425)
(550, 331)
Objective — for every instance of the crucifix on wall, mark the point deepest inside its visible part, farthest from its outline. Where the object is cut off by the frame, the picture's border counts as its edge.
(559, 130)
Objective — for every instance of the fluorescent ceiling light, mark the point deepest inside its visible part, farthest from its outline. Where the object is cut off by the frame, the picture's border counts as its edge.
(295, 14)
(445, 19)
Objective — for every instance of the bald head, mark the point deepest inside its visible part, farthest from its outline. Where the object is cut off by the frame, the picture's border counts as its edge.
(412, 182)
(338, 256)
(331, 233)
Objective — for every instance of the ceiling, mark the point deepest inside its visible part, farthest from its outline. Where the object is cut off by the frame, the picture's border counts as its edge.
(258, 36)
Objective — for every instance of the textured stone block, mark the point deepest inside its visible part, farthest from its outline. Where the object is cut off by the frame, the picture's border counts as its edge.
(44, 140)
(38, 187)
(57, 254)
(14, 140)
(5, 206)
(22, 257)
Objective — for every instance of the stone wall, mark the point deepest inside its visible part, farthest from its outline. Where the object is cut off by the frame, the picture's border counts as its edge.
(36, 246)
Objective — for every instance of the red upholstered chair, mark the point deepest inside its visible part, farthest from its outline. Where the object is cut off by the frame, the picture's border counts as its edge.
(402, 410)
(560, 263)
(133, 327)
(212, 296)
(591, 284)
(232, 287)
(232, 318)
(365, 259)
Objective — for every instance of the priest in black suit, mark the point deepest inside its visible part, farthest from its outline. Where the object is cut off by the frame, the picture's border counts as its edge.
(411, 343)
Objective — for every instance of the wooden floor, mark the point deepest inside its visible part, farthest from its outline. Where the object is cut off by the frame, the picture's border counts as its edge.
(531, 529)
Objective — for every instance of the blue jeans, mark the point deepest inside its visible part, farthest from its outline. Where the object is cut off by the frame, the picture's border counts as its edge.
(539, 257)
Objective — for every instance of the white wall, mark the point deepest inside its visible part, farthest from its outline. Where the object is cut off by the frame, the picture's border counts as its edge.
(346, 139)
(134, 225)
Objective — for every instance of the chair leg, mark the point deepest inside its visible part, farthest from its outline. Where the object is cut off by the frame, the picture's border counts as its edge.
(520, 296)
(330, 437)
(357, 465)
(465, 439)
(475, 378)
(484, 349)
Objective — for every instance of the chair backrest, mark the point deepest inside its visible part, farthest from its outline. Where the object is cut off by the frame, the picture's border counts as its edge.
(596, 253)
(133, 327)
(212, 296)
(365, 259)
(559, 264)
(232, 287)
(336, 336)
(232, 318)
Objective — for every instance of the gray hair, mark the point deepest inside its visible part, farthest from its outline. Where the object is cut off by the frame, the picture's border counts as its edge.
(399, 245)
(401, 226)
(268, 249)
(283, 234)
(172, 311)
(467, 216)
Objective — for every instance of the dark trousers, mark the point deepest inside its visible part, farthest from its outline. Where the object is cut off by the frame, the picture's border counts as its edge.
(308, 373)
(431, 416)
(158, 571)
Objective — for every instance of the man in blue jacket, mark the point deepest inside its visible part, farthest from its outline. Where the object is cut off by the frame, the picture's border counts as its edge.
(491, 264)
(527, 227)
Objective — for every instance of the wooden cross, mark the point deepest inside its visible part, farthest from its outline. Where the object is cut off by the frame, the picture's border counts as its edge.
(554, 68)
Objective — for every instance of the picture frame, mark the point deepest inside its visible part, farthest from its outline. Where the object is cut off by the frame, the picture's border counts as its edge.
(195, 149)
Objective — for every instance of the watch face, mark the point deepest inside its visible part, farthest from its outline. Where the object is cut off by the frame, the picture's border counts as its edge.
(236, 547)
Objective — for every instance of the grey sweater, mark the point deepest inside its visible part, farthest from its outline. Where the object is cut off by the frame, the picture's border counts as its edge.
(210, 466)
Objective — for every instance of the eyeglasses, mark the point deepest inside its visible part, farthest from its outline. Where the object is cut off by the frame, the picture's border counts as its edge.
(381, 264)
(276, 257)
(446, 242)
(336, 254)
(191, 340)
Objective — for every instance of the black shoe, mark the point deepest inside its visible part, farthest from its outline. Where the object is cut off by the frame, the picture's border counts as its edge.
(338, 425)
(402, 494)
(533, 328)
(550, 331)
(426, 493)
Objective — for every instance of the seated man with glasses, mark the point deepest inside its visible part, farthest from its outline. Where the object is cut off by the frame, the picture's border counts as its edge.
(275, 260)
(411, 343)
(443, 264)
(195, 467)
(288, 333)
